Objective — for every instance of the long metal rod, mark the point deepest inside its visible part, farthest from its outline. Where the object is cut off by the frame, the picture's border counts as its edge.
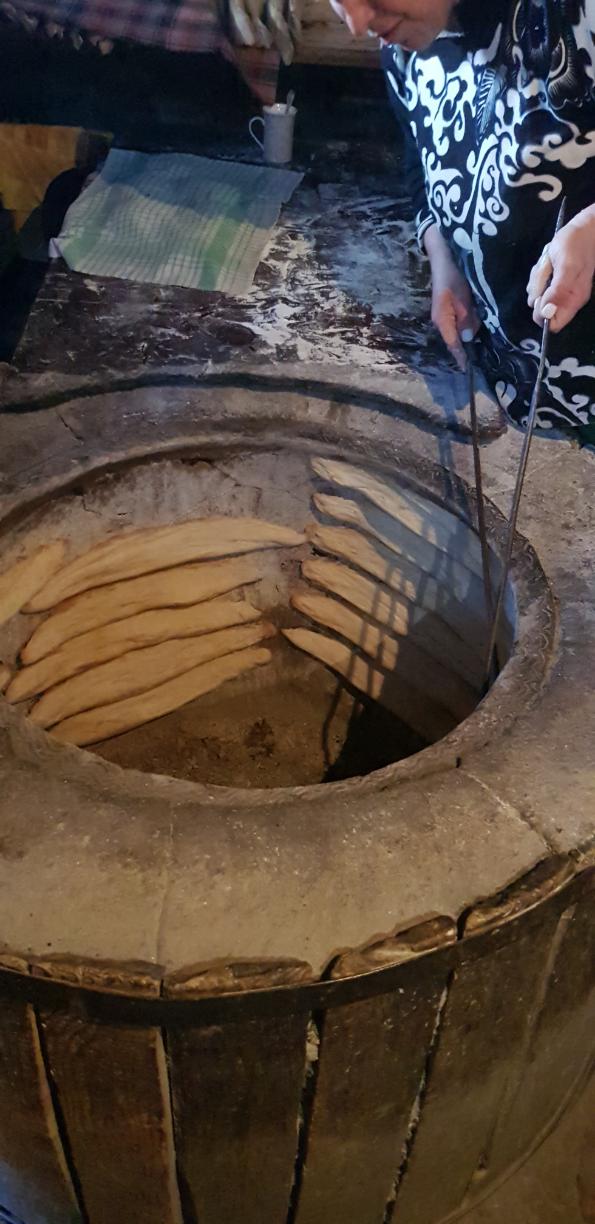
(520, 480)
(481, 521)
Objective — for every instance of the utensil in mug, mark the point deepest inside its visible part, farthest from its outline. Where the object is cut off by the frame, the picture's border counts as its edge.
(278, 123)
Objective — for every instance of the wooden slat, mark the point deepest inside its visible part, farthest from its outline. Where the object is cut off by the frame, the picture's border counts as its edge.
(112, 1084)
(35, 1185)
(236, 1093)
(372, 1059)
(321, 44)
(560, 1041)
(480, 1044)
(114, 1095)
(586, 1172)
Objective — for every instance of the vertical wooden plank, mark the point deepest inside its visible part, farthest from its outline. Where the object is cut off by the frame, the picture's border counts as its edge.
(479, 1045)
(35, 1185)
(236, 1094)
(560, 1041)
(113, 1091)
(372, 1060)
(586, 1170)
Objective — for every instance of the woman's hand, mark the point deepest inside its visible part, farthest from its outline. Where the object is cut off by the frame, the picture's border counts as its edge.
(569, 259)
(453, 311)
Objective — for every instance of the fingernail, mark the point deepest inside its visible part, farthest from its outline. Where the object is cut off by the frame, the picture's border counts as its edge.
(549, 310)
(467, 335)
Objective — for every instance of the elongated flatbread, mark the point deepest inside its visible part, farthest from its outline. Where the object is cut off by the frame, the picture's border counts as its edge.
(427, 519)
(375, 559)
(400, 616)
(140, 670)
(185, 584)
(390, 653)
(21, 583)
(159, 548)
(111, 641)
(429, 573)
(5, 674)
(430, 720)
(95, 725)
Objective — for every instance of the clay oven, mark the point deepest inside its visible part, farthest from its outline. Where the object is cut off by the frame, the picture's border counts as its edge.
(256, 656)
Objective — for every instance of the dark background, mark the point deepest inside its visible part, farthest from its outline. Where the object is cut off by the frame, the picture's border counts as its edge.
(153, 98)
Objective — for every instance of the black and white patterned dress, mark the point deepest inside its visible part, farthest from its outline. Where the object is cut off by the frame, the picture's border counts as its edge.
(500, 123)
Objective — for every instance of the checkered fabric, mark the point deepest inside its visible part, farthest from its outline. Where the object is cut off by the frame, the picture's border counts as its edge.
(176, 219)
(177, 25)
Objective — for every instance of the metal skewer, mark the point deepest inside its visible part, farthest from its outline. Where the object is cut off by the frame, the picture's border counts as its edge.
(520, 480)
(466, 338)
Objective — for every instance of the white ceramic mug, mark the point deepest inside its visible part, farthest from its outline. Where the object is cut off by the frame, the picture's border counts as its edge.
(277, 141)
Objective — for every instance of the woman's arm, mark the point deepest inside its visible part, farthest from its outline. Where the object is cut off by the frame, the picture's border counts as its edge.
(452, 303)
(569, 259)
(453, 311)
(414, 172)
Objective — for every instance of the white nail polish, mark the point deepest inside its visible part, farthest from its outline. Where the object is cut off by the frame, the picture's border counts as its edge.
(467, 335)
(549, 310)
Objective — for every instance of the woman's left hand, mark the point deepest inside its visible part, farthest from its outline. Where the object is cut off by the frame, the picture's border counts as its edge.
(569, 259)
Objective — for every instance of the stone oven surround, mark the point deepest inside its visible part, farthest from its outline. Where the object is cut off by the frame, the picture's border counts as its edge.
(358, 968)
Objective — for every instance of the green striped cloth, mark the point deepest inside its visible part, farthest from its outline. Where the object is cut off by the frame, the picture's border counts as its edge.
(174, 219)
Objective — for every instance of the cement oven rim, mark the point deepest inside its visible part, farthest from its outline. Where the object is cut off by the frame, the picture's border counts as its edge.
(115, 989)
(521, 679)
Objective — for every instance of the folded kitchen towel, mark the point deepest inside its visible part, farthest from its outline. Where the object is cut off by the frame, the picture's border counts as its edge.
(175, 219)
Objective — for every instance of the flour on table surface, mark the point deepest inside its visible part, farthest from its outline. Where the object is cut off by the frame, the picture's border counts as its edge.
(332, 281)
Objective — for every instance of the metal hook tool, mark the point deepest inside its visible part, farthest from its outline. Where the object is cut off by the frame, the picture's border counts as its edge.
(467, 342)
(520, 480)
(467, 338)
